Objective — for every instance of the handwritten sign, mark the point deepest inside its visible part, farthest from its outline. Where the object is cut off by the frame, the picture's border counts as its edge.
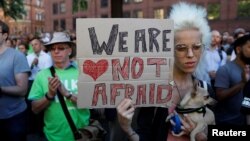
(124, 58)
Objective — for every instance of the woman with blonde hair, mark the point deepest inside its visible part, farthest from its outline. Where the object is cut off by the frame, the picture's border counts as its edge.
(191, 35)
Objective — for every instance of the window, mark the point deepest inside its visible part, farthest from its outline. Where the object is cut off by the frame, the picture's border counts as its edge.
(159, 13)
(39, 16)
(138, 14)
(104, 3)
(39, 3)
(63, 24)
(43, 16)
(243, 9)
(213, 11)
(55, 8)
(104, 16)
(62, 7)
(126, 14)
(55, 25)
(27, 16)
(126, 1)
(137, 1)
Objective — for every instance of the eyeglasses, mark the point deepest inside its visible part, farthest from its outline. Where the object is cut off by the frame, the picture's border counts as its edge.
(61, 48)
(182, 49)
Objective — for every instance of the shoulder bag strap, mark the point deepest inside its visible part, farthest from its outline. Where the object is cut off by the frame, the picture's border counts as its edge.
(76, 134)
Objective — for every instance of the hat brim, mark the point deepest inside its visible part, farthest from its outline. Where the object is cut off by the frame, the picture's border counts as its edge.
(48, 45)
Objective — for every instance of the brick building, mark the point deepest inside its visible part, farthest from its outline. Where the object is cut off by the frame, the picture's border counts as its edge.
(224, 15)
(32, 22)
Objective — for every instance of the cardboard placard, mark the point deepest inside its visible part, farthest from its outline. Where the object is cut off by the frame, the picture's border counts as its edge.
(124, 58)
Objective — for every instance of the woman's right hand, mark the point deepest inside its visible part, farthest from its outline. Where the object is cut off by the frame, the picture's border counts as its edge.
(125, 111)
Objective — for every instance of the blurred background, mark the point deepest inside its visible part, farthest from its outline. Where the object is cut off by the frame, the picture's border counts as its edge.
(46, 16)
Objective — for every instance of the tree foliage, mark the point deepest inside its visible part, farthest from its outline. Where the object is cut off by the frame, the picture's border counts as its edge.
(213, 11)
(244, 9)
(13, 8)
(79, 5)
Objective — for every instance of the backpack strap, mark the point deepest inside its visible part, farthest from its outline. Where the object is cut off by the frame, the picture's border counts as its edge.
(72, 125)
(220, 54)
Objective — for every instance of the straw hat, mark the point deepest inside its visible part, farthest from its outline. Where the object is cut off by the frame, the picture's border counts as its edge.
(60, 37)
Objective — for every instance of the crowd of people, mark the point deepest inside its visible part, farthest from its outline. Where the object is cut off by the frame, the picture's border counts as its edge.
(213, 61)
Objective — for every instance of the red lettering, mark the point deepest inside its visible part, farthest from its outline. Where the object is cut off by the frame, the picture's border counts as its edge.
(124, 70)
(158, 62)
(141, 94)
(129, 91)
(99, 89)
(114, 92)
(135, 61)
(160, 89)
(151, 94)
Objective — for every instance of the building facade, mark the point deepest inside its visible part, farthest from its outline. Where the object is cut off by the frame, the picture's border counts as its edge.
(32, 22)
(223, 15)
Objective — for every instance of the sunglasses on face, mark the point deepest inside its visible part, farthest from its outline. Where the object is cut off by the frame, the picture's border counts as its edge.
(59, 47)
(182, 49)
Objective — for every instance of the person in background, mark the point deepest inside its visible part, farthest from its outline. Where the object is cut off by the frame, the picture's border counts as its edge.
(25, 38)
(239, 32)
(229, 82)
(215, 57)
(9, 43)
(224, 42)
(18, 42)
(43, 93)
(39, 59)
(13, 87)
(191, 32)
(23, 48)
(230, 40)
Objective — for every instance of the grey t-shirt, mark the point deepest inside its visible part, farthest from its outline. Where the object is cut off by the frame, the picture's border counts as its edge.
(228, 110)
(11, 62)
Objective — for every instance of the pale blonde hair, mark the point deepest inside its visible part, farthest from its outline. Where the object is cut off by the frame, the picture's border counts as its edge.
(191, 16)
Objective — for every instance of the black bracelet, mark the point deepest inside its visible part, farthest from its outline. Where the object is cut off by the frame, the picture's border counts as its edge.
(49, 98)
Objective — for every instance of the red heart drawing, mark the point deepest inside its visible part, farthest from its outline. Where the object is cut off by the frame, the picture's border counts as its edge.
(95, 69)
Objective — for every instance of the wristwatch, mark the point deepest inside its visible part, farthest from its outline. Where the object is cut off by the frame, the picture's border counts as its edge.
(69, 96)
(49, 98)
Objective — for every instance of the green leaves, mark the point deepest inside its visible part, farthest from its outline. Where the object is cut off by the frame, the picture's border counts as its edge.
(13, 8)
(79, 5)
(243, 9)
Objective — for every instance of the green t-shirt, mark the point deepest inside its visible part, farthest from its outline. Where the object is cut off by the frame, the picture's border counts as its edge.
(56, 125)
(30, 50)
